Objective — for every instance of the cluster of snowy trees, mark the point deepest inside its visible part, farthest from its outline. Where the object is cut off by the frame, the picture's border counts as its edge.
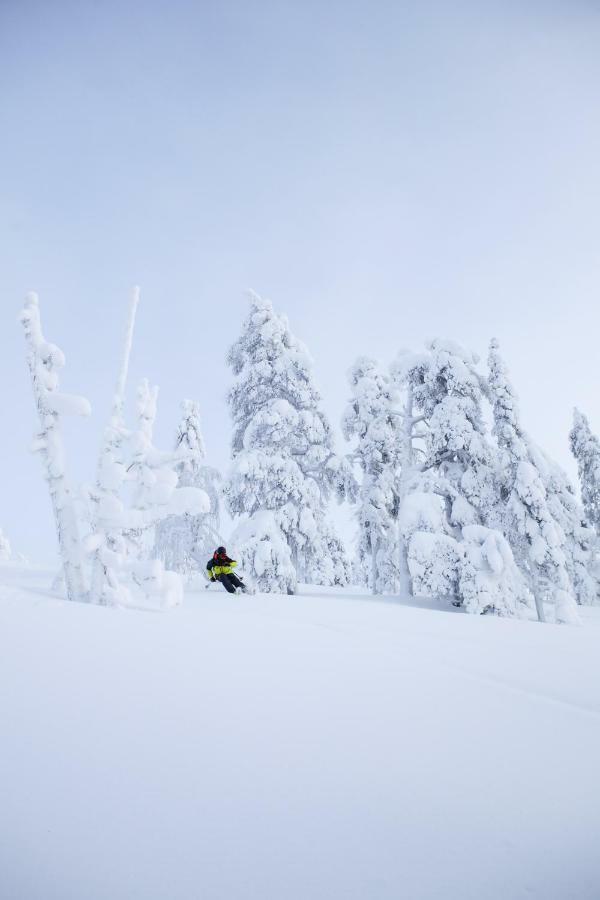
(111, 532)
(452, 497)
(478, 515)
(285, 469)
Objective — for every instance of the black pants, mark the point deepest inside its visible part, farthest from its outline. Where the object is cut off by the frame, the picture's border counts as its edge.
(231, 582)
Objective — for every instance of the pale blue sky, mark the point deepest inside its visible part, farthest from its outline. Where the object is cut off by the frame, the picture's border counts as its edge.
(384, 172)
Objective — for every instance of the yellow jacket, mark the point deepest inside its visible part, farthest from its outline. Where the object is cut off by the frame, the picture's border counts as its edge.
(215, 569)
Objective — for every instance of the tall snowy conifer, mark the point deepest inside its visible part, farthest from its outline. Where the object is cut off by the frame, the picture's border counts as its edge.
(417, 507)
(450, 395)
(585, 447)
(459, 467)
(580, 539)
(284, 467)
(536, 538)
(369, 419)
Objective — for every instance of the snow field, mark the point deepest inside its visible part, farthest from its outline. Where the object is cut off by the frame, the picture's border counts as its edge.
(317, 746)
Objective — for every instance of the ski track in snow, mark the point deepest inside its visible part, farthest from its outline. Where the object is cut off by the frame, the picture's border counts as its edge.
(326, 746)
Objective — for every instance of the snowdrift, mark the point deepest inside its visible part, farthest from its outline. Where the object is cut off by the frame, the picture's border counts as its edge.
(312, 747)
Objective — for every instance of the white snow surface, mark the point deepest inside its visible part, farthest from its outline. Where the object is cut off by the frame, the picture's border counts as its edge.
(323, 746)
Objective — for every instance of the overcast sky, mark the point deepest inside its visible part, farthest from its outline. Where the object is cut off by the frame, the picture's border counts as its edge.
(384, 172)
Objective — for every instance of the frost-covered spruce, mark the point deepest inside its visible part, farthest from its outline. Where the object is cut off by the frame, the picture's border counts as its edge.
(45, 362)
(284, 462)
(585, 447)
(450, 396)
(370, 421)
(5, 551)
(453, 549)
(416, 490)
(181, 541)
(536, 538)
(581, 542)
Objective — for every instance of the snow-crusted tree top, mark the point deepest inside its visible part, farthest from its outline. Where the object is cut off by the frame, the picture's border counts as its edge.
(189, 433)
(406, 366)
(274, 380)
(369, 415)
(585, 446)
(507, 427)
(449, 392)
(45, 361)
(453, 350)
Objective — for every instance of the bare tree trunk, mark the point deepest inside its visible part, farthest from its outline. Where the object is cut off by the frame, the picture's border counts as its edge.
(45, 360)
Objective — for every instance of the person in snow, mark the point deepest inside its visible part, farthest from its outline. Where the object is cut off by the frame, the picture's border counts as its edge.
(220, 568)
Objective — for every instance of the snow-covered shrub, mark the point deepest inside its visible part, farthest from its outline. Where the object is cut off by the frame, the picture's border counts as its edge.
(284, 462)
(434, 561)
(5, 551)
(45, 361)
(261, 548)
(333, 565)
(489, 581)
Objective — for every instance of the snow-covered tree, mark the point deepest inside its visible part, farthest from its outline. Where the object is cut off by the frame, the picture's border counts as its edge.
(283, 457)
(369, 419)
(136, 489)
(5, 551)
(580, 539)
(45, 362)
(585, 447)
(536, 538)
(183, 542)
(447, 521)
(415, 488)
(333, 566)
(261, 547)
(157, 491)
(434, 560)
(450, 395)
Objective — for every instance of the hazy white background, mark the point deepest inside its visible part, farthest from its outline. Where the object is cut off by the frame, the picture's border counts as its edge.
(384, 172)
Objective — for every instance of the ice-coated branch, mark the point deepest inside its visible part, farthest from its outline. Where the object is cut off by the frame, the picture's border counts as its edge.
(45, 361)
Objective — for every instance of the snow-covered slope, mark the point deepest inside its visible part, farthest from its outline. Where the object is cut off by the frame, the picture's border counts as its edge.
(316, 747)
